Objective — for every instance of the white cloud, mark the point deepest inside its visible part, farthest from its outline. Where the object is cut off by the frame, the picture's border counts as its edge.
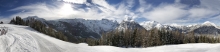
(76, 1)
(179, 13)
(166, 13)
(50, 12)
(104, 4)
(143, 6)
(43, 10)
(66, 10)
(201, 12)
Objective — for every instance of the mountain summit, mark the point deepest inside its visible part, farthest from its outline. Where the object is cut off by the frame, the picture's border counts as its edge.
(151, 24)
(208, 23)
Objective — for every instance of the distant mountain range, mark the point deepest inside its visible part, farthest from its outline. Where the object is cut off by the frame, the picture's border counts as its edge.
(204, 28)
(82, 28)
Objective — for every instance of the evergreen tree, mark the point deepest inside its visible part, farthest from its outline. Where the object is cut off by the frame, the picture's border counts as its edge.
(12, 21)
(1, 22)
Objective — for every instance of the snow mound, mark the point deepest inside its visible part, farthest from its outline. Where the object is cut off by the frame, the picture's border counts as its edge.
(25, 39)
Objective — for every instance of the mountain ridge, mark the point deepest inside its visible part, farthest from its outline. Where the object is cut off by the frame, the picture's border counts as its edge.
(85, 28)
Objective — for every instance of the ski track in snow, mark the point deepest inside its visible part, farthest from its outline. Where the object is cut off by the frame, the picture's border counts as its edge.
(17, 41)
(25, 39)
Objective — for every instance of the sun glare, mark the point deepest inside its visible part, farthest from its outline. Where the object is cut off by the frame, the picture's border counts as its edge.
(66, 9)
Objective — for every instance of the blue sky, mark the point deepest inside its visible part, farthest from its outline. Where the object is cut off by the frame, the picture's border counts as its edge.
(182, 12)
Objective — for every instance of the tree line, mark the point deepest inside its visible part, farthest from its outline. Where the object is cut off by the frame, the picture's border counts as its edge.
(144, 38)
(39, 26)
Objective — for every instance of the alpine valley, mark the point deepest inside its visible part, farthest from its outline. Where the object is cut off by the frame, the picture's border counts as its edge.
(83, 28)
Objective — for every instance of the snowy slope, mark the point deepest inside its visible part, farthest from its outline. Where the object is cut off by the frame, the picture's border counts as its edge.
(25, 39)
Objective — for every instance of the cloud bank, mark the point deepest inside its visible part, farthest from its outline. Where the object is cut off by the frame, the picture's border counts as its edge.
(141, 9)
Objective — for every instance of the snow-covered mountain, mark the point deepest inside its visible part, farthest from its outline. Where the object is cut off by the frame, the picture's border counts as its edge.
(204, 28)
(131, 25)
(97, 26)
(148, 25)
(83, 28)
(25, 39)
(151, 24)
(80, 28)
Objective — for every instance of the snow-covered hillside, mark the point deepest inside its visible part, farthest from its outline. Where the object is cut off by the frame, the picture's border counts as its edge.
(25, 39)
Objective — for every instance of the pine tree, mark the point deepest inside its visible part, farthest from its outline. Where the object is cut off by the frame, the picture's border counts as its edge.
(134, 38)
(12, 21)
(1, 22)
